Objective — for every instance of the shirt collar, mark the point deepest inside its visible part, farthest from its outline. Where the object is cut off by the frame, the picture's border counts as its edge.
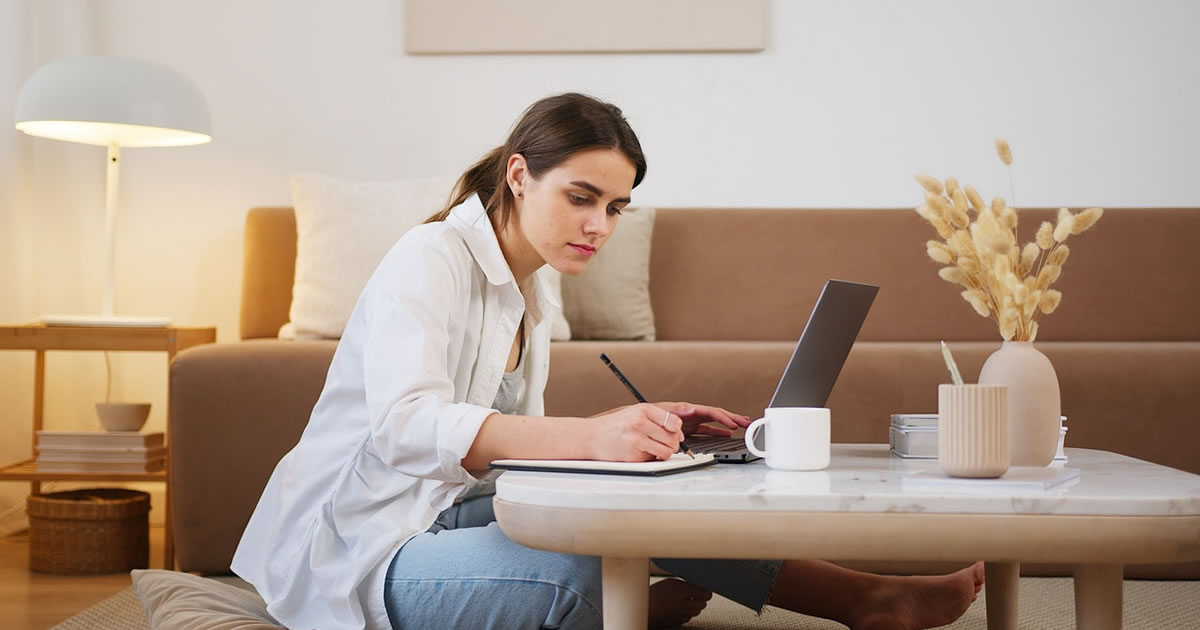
(472, 221)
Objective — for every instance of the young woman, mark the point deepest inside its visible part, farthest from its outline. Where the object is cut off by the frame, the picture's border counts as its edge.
(381, 515)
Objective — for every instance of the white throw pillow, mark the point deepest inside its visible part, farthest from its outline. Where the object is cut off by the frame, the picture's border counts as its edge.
(611, 299)
(175, 600)
(343, 229)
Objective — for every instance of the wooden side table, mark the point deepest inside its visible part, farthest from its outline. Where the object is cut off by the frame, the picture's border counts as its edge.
(41, 338)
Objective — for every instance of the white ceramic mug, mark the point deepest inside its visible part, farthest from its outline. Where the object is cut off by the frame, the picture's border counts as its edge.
(798, 438)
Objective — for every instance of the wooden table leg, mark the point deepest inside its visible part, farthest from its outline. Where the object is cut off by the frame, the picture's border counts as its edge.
(1002, 581)
(626, 593)
(39, 406)
(1098, 596)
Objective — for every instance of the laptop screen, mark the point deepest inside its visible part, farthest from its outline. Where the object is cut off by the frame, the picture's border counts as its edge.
(824, 345)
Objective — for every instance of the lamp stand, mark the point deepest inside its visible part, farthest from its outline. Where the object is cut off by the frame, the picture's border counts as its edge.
(107, 317)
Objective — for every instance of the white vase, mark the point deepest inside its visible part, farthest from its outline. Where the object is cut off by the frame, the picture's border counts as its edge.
(1034, 403)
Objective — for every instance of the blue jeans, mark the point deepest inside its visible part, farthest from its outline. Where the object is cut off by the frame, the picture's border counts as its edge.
(465, 573)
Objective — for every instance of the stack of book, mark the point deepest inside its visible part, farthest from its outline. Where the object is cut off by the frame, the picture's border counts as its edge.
(915, 436)
(100, 451)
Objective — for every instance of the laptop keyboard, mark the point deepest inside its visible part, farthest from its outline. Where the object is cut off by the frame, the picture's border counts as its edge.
(716, 444)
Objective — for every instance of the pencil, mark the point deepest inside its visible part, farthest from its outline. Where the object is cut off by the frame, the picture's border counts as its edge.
(683, 447)
(955, 377)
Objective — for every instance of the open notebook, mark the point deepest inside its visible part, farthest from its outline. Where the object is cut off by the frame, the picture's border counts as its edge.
(678, 462)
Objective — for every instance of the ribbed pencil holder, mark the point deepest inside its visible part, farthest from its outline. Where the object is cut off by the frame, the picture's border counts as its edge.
(973, 430)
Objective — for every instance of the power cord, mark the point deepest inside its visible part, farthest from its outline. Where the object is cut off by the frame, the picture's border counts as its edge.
(50, 485)
(108, 382)
(107, 378)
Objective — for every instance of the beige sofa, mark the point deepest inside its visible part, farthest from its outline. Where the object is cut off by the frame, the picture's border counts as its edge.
(731, 290)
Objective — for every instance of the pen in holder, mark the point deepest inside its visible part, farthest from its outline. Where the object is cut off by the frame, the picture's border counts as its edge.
(955, 376)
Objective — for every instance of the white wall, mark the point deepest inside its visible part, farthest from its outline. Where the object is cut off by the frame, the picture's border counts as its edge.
(16, 251)
(1098, 99)
(44, 236)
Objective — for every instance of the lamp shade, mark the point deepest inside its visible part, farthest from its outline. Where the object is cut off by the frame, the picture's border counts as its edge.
(113, 100)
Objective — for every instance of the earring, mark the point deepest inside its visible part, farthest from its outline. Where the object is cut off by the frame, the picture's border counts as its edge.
(520, 194)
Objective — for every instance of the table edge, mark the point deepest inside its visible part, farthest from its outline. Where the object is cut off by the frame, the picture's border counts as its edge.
(1150, 539)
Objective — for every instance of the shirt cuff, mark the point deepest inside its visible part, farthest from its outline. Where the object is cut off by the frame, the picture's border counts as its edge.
(456, 435)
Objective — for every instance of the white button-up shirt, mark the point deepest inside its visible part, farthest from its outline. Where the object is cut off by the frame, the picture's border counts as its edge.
(413, 378)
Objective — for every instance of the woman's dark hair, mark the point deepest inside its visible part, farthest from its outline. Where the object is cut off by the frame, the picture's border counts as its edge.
(548, 133)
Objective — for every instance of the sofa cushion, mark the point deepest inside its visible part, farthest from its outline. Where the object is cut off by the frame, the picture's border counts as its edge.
(611, 298)
(749, 274)
(236, 410)
(343, 230)
(181, 600)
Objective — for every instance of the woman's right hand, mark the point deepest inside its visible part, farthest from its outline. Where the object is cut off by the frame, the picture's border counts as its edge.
(636, 433)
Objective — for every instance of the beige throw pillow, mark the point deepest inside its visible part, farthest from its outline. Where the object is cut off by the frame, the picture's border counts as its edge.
(611, 298)
(175, 600)
(343, 230)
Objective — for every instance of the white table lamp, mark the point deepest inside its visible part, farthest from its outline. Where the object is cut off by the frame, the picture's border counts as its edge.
(112, 102)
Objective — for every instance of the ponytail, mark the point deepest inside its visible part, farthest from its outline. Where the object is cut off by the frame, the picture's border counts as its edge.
(548, 133)
(485, 178)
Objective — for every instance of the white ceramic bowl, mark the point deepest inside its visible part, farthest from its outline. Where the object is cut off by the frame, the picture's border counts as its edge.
(123, 416)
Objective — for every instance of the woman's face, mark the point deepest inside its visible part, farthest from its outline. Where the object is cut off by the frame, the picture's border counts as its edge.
(567, 215)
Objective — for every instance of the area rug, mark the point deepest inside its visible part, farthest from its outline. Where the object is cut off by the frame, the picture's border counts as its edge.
(122, 610)
(1046, 604)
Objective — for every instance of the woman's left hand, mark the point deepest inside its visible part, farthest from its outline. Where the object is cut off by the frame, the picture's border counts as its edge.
(695, 418)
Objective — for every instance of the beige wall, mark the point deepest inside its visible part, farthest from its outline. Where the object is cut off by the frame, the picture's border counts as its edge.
(847, 101)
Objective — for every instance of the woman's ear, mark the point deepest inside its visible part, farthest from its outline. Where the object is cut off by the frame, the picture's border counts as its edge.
(516, 174)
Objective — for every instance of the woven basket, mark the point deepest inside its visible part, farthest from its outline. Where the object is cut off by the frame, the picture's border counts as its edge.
(77, 532)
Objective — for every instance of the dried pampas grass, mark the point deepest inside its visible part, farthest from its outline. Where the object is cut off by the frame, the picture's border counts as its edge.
(976, 201)
(1003, 151)
(1002, 280)
(931, 184)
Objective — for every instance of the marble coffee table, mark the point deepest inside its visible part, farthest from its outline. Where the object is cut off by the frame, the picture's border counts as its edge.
(1119, 510)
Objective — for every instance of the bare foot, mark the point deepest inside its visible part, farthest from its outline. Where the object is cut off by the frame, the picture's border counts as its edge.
(912, 603)
(674, 603)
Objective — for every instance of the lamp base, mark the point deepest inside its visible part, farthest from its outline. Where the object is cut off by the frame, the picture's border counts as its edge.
(127, 321)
